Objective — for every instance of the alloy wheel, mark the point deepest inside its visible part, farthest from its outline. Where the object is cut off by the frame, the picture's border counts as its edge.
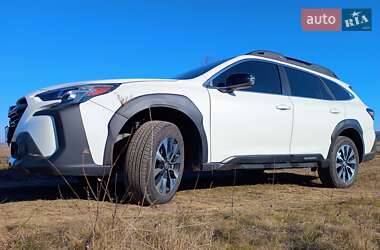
(167, 165)
(346, 163)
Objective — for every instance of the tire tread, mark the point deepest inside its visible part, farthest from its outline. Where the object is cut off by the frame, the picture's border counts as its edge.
(138, 159)
(326, 175)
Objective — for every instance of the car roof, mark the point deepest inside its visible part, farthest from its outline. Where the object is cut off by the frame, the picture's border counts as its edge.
(294, 61)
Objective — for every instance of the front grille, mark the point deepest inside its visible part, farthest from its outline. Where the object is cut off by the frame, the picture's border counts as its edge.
(14, 114)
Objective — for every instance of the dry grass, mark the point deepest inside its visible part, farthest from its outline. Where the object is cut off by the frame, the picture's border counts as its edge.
(4, 152)
(283, 212)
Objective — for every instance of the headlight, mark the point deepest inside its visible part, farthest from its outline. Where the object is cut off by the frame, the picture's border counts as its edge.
(77, 94)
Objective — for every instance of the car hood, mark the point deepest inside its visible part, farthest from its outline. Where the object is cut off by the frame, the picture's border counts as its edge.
(111, 81)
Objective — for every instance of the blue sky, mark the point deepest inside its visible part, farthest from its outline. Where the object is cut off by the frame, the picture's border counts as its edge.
(47, 42)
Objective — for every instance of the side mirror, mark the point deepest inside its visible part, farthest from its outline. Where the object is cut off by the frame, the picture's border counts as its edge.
(237, 81)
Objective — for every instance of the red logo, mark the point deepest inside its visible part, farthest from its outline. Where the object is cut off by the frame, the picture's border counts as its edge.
(320, 19)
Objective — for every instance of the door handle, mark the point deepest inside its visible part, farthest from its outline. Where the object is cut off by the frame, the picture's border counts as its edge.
(334, 111)
(283, 107)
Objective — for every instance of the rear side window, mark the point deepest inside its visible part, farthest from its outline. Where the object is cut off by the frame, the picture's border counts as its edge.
(267, 78)
(338, 91)
(303, 84)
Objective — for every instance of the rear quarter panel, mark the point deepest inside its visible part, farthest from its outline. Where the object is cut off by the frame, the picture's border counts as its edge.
(356, 109)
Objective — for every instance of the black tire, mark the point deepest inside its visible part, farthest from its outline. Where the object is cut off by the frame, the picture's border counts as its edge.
(337, 174)
(150, 139)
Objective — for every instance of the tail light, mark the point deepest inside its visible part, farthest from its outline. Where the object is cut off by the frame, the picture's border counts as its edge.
(371, 112)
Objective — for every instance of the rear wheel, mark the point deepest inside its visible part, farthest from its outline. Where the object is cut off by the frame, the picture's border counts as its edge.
(154, 163)
(343, 164)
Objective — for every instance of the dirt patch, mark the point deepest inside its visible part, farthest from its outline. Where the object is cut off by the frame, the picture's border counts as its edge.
(4, 150)
(4, 153)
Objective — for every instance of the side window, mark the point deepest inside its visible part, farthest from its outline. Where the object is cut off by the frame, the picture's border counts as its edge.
(303, 84)
(339, 92)
(267, 78)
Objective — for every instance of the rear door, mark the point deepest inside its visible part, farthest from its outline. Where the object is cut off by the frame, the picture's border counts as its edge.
(316, 113)
(254, 121)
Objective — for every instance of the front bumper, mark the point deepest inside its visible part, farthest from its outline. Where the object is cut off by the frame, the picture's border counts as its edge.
(71, 156)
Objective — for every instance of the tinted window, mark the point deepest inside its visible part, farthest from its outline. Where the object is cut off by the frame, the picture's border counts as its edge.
(303, 84)
(267, 79)
(339, 92)
(199, 71)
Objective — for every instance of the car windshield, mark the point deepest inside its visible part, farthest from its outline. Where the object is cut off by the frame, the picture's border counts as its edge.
(199, 71)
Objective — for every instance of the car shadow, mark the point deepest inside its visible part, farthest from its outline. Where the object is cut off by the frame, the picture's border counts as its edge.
(204, 180)
(16, 186)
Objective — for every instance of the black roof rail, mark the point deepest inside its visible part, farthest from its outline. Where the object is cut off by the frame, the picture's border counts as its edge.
(267, 53)
(294, 61)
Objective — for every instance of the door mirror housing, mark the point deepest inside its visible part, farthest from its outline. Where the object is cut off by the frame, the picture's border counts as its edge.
(236, 82)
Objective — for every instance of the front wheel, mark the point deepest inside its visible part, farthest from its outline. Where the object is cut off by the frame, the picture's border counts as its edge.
(343, 164)
(154, 163)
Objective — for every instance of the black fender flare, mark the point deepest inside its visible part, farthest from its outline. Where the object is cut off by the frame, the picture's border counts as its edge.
(130, 108)
(343, 125)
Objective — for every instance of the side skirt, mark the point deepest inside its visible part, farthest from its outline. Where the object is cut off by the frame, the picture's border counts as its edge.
(267, 162)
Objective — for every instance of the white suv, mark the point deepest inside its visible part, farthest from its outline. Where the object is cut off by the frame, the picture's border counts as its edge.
(261, 110)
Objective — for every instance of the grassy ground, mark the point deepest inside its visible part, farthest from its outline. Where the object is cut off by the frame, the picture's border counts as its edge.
(281, 210)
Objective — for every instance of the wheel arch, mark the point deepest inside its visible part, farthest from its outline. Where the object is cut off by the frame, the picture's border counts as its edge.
(168, 106)
(350, 128)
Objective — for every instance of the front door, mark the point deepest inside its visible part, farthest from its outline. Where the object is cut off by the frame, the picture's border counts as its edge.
(254, 121)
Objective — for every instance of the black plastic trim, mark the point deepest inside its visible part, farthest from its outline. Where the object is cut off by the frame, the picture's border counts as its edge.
(134, 106)
(256, 159)
(29, 158)
(15, 114)
(284, 80)
(73, 147)
(73, 156)
(343, 125)
(267, 162)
